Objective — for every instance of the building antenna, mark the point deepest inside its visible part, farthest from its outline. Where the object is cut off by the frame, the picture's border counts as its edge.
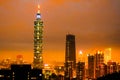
(38, 5)
(38, 8)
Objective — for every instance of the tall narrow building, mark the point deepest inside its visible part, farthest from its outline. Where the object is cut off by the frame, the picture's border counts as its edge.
(91, 66)
(80, 70)
(70, 57)
(38, 41)
(70, 54)
(99, 60)
(107, 55)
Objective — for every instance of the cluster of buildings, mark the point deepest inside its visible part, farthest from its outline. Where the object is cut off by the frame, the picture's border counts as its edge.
(21, 71)
(98, 64)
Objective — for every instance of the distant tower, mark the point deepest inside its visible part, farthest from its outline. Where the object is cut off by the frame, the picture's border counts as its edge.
(80, 71)
(70, 56)
(107, 55)
(38, 41)
(99, 60)
(91, 66)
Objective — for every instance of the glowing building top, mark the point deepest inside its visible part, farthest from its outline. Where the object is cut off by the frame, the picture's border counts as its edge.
(107, 55)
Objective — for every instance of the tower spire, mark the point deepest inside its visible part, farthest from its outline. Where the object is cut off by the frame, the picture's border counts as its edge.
(38, 12)
(38, 8)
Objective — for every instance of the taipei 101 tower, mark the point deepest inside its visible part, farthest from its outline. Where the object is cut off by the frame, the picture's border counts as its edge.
(38, 41)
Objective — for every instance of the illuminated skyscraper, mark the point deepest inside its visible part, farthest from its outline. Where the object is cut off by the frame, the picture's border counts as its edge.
(107, 55)
(91, 66)
(99, 59)
(80, 71)
(38, 41)
(70, 57)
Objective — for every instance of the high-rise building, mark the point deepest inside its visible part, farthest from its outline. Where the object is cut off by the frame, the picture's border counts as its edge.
(38, 41)
(91, 66)
(80, 71)
(68, 70)
(99, 59)
(111, 67)
(107, 55)
(103, 70)
(70, 56)
(118, 67)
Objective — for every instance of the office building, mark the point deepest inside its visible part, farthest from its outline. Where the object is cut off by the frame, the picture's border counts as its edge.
(99, 59)
(80, 71)
(103, 69)
(70, 56)
(107, 55)
(91, 66)
(70, 52)
(111, 67)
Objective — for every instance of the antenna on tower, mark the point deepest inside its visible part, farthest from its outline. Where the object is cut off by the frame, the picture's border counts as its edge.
(38, 8)
(37, 2)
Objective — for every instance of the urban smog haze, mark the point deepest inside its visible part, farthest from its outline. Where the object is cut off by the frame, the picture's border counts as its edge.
(95, 24)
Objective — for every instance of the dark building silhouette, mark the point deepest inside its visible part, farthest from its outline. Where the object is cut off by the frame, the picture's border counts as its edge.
(113, 76)
(70, 56)
(5, 74)
(21, 72)
(36, 74)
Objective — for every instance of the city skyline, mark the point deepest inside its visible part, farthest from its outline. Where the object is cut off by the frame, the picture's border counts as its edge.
(95, 25)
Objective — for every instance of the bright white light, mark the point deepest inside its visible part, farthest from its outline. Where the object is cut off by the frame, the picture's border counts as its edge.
(38, 6)
(88, 54)
(38, 16)
(40, 74)
(98, 52)
(46, 65)
(80, 52)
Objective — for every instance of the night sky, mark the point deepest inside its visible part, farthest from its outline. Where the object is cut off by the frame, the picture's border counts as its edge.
(95, 23)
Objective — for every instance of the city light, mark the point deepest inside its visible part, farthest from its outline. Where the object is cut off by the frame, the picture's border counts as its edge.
(80, 52)
(45, 65)
(28, 50)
